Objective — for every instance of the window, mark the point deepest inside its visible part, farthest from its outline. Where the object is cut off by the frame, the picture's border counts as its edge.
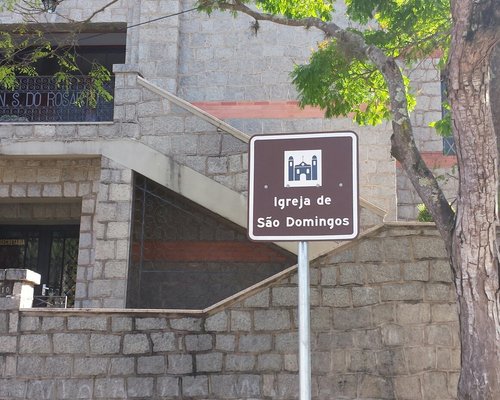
(50, 250)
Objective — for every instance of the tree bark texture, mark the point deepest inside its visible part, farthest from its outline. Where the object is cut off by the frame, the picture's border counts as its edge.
(495, 91)
(474, 253)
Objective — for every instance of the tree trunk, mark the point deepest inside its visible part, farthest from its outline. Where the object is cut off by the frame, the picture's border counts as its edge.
(495, 91)
(474, 253)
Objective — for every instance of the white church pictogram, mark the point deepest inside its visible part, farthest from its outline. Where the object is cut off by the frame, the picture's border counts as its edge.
(302, 168)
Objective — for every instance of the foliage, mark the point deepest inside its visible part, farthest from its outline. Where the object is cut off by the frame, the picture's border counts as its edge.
(16, 59)
(341, 85)
(24, 7)
(298, 9)
(404, 28)
(443, 126)
(290, 9)
(98, 76)
(423, 213)
(21, 50)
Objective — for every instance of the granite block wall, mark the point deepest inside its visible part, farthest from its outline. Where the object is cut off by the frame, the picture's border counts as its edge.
(408, 198)
(104, 282)
(95, 193)
(426, 86)
(383, 321)
(146, 116)
(149, 117)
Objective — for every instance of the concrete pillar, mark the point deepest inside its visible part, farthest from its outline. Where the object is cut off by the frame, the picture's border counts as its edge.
(17, 288)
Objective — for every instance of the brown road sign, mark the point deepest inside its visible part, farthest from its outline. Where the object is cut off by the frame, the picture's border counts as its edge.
(303, 187)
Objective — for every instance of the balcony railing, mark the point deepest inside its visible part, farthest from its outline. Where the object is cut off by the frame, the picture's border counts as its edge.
(40, 99)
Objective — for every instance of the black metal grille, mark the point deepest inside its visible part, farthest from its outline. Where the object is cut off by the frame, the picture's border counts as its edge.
(68, 278)
(184, 256)
(41, 99)
(52, 251)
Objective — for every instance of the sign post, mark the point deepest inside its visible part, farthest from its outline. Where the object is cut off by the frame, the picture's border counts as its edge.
(304, 324)
(303, 187)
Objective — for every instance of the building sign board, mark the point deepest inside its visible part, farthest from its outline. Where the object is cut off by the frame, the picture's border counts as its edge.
(303, 187)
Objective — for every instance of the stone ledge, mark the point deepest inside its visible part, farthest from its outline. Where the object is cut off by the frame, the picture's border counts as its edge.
(58, 123)
(127, 69)
(24, 275)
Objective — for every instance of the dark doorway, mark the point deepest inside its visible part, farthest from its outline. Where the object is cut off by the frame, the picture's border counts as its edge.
(50, 250)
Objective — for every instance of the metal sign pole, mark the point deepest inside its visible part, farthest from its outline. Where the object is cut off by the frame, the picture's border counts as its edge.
(304, 327)
(294, 195)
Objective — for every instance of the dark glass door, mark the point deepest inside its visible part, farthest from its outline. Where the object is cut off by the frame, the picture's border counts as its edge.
(51, 250)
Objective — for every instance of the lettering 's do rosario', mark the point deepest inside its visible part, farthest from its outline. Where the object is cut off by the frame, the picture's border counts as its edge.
(38, 99)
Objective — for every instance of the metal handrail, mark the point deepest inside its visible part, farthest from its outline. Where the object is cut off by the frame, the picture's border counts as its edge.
(50, 301)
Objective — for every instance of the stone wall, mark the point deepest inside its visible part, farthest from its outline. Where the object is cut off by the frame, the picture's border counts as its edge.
(383, 321)
(141, 114)
(104, 282)
(103, 190)
(47, 132)
(426, 87)
(221, 58)
(72, 10)
(151, 118)
(146, 115)
(154, 47)
(408, 199)
(31, 183)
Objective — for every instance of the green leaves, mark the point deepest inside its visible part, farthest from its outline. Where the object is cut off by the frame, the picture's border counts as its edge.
(98, 76)
(8, 5)
(340, 80)
(443, 126)
(21, 51)
(293, 9)
(423, 213)
(16, 60)
(298, 9)
(411, 29)
(342, 85)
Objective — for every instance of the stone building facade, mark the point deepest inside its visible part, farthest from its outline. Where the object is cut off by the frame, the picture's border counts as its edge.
(189, 92)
